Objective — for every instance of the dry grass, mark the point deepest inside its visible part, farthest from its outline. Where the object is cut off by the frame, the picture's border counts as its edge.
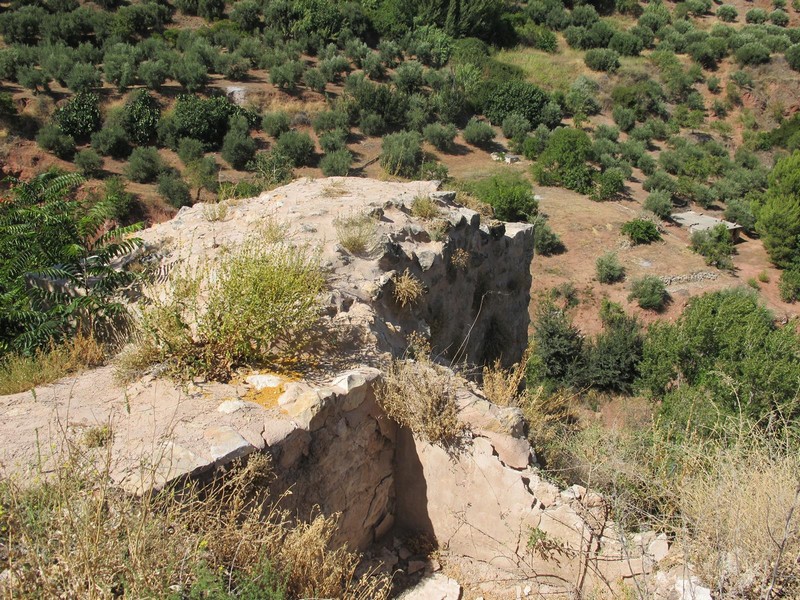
(357, 233)
(423, 207)
(553, 72)
(460, 259)
(421, 395)
(472, 203)
(97, 437)
(438, 229)
(504, 387)
(75, 536)
(22, 373)
(336, 189)
(407, 289)
(215, 211)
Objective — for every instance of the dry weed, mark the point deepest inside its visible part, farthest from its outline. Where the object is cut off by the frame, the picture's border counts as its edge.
(504, 387)
(215, 211)
(76, 536)
(471, 202)
(460, 259)
(336, 189)
(421, 395)
(407, 289)
(438, 229)
(357, 233)
(423, 207)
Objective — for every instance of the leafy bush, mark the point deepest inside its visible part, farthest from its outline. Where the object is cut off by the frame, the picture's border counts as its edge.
(357, 233)
(649, 292)
(753, 53)
(502, 99)
(779, 18)
(625, 118)
(626, 44)
(79, 117)
(727, 13)
(111, 140)
(792, 55)
(608, 268)
(140, 117)
(89, 162)
(288, 75)
(336, 163)
(204, 119)
(563, 161)
(331, 141)
(509, 194)
(789, 285)
(557, 349)
(174, 190)
(739, 210)
(297, 146)
(715, 245)
(401, 153)
(516, 127)
(408, 76)
(478, 133)
(610, 183)
(331, 120)
(276, 123)
(238, 148)
(601, 59)
(756, 15)
(440, 136)
(778, 221)
(546, 241)
(52, 139)
(659, 202)
(641, 231)
(144, 165)
(190, 150)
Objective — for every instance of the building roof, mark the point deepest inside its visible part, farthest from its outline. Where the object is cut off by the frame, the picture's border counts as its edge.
(700, 222)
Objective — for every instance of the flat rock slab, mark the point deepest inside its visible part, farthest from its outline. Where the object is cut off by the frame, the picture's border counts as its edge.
(434, 587)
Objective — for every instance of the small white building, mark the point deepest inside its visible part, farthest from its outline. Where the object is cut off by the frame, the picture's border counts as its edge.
(695, 221)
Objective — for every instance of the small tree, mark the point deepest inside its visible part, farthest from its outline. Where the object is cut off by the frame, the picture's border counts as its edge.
(174, 190)
(440, 136)
(203, 174)
(401, 153)
(238, 148)
(715, 245)
(641, 231)
(546, 241)
(789, 285)
(89, 162)
(336, 163)
(276, 123)
(609, 269)
(190, 150)
(727, 13)
(478, 133)
(601, 59)
(111, 140)
(80, 116)
(516, 127)
(649, 292)
(144, 165)
(610, 183)
(52, 139)
(659, 202)
(297, 146)
(509, 194)
(140, 117)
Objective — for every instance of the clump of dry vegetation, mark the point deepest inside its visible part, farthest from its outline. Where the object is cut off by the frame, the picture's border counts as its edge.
(460, 259)
(215, 211)
(421, 395)
(357, 233)
(19, 373)
(76, 536)
(407, 288)
(257, 304)
(424, 207)
(504, 387)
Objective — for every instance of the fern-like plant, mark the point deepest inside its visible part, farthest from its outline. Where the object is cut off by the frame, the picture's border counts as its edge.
(57, 276)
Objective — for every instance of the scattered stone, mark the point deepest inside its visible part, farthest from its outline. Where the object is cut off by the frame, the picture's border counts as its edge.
(259, 382)
(231, 406)
(226, 444)
(433, 587)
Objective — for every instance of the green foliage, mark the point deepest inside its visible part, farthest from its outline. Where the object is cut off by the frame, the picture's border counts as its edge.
(144, 165)
(330, 141)
(79, 117)
(440, 136)
(641, 231)
(478, 133)
(625, 118)
(756, 15)
(276, 123)
(140, 117)
(52, 139)
(792, 55)
(401, 153)
(727, 13)
(789, 285)
(510, 195)
(557, 354)
(610, 184)
(563, 162)
(522, 98)
(753, 53)
(778, 221)
(272, 168)
(539, 37)
(659, 202)
(53, 246)
(336, 163)
(726, 347)
(649, 292)
(297, 146)
(546, 241)
(611, 359)
(190, 150)
(516, 127)
(609, 269)
(190, 72)
(111, 140)
(204, 119)
(739, 210)
(288, 75)
(174, 190)
(82, 77)
(238, 148)
(779, 18)
(602, 59)
(715, 245)
(89, 162)
(331, 120)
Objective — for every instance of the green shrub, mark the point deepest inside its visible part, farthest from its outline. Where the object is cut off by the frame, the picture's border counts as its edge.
(739, 210)
(331, 120)
(336, 163)
(792, 55)
(52, 139)
(204, 119)
(659, 202)
(79, 117)
(272, 168)
(174, 190)
(778, 221)
(626, 44)
(330, 141)
(509, 194)
(609, 269)
(516, 127)
(753, 53)
(112, 141)
(401, 153)
(641, 231)
(371, 124)
(756, 15)
(546, 241)
(276, 123)
(649, 292)
(83, 77)
(558, 349)
(297, 146)
(144, 165)
(610, 184)
(789, 285)
(140, 117)
(534, 145)
(89, 162)
(440, 136)
(727, 13)
(478, 133)
(563, 162)
(602, 59)
(190, 150)
(715, 245)
(238, 148)
(779, 18)
(509, 97)
(408, 76)
(625, 118)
